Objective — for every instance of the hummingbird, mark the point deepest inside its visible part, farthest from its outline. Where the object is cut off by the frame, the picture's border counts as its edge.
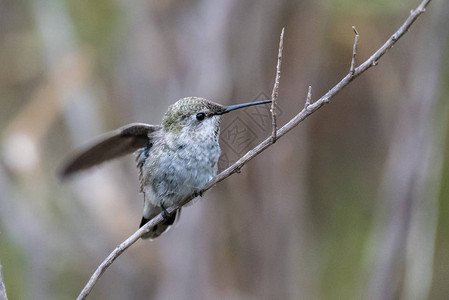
(175, 159)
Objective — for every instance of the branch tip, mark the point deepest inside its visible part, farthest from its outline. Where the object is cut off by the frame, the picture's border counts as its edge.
(354, 51)
(309, 98)
(274, 94)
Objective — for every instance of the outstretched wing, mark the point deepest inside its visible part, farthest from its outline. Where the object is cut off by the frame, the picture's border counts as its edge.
(112, 145)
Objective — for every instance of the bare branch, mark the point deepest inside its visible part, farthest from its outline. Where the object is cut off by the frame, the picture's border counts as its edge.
(117, 251)
(354, 51)
(274, 94)
(236, 167)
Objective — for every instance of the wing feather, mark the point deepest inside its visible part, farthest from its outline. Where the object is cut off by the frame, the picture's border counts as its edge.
(122, 141)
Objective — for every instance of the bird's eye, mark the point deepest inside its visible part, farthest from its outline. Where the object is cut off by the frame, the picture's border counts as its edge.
(200, 116)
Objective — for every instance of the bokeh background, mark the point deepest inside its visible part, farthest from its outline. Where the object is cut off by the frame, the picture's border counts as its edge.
(352, 204)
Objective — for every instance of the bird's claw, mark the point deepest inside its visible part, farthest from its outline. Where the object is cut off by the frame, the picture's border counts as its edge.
(165, 213)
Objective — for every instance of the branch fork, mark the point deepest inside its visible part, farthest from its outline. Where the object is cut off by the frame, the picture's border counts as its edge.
(308, 99)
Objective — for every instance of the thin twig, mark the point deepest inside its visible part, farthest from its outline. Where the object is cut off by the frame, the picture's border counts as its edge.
(309, 98)
(354, 51)
(301, 116)
(274, 94)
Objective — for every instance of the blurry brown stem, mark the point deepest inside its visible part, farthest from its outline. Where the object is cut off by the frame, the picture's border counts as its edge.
(274, 94)
(236, 167)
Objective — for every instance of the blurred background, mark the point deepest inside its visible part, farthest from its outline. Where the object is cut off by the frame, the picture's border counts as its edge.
(352, 204)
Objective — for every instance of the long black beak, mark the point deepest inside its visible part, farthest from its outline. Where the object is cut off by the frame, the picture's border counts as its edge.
(238, 106)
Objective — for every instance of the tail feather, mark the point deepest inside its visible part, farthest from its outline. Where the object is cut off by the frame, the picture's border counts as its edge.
(158, 229)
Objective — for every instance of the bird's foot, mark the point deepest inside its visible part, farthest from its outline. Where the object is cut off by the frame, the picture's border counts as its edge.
(198, 193)
(165, 213)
